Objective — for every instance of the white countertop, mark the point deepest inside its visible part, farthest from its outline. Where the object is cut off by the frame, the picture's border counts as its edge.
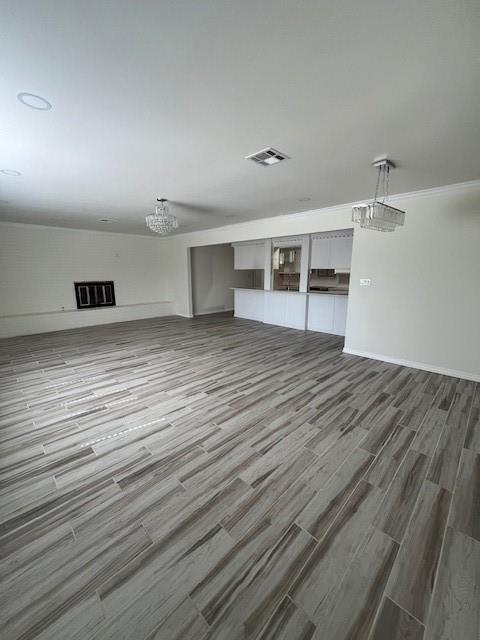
(303, 293)
(328, 293)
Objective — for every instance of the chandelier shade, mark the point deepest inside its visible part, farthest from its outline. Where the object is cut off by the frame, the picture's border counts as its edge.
(161, 221)
(377, 215)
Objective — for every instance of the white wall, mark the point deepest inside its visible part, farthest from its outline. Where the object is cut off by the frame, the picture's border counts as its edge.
(38, 266)
(213, 277)
(423, 307)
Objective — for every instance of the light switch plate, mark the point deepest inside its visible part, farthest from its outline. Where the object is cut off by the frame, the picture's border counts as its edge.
(365, 282)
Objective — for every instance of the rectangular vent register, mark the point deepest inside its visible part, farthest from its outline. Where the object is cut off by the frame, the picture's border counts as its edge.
(267, 156)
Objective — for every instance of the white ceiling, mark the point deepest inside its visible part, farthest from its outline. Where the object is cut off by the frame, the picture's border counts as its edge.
(166, 98)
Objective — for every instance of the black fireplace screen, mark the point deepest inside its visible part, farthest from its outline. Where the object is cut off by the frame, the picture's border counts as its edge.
(94, 294)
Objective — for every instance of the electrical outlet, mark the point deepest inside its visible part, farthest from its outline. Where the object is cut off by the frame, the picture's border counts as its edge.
(365, 282)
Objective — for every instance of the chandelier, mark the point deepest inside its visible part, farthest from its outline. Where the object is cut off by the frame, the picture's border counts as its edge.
(377, 215)
(161, 221)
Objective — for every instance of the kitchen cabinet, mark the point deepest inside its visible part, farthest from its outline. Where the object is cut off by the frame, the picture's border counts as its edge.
(286, 309)
(283, 308)
(249, 304)
(331, 251)
(327, 313)
(341, 252)
(320, 253)
(340, 315)
(249, 256)
(320, 312)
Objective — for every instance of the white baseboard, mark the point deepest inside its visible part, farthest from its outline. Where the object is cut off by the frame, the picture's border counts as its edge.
(46, 321)
(244, 317)
(288, 326)
(184, 315)
(214, 310)
(284, 326)
(331, 333)
(454, 373)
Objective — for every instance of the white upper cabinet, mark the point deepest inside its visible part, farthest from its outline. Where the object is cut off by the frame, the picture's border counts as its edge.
(320, 253)
(249, 256)
(243, 256)
(341, 252)
(331, 251)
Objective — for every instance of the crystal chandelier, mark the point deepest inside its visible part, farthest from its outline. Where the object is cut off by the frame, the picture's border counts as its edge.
(161, 221)
(377, 215)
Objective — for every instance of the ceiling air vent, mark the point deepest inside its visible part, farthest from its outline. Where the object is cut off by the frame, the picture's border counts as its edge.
(268, 156)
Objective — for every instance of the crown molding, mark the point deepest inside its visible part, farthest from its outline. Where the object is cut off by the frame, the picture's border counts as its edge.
(471, 185)
(46, 227)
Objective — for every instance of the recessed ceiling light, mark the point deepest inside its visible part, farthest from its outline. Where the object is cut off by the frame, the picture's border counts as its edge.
(34, 102)
(267, 156)
(107, 220)
(10, 172)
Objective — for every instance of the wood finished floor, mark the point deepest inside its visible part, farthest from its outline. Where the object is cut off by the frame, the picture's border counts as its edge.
(176, 479)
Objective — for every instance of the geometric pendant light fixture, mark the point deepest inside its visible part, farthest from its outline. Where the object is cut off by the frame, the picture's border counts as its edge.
(377, 215)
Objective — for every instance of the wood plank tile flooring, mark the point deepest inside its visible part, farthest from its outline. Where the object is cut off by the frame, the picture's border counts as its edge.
(174, 479)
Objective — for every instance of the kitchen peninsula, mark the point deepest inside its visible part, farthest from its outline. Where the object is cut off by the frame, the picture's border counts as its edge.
(306, 280)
